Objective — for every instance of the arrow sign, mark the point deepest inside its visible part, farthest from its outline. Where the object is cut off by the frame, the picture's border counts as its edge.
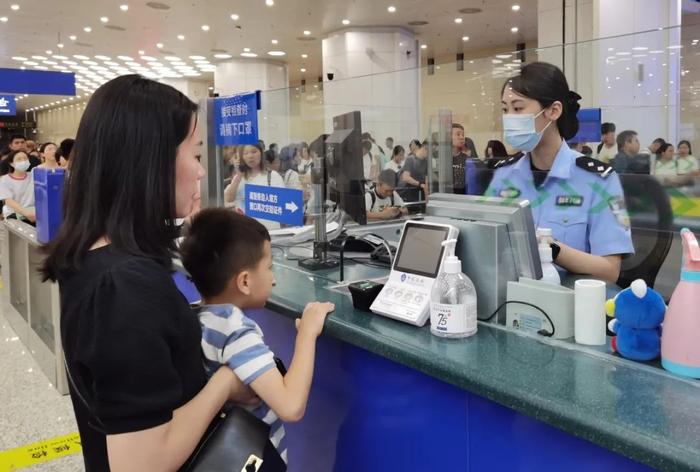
(275, 204)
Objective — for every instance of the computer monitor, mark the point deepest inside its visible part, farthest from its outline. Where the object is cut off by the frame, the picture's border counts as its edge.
(346, 179)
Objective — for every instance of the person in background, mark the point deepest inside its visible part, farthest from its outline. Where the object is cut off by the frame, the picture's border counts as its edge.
(17, 188)
(608, 148)
(666, 167)
(18, 143)
(381, 201)
(377, 151)
(370, 166)
(653, 147)
(229, 257)
(628, 160)
(389, 143)
(284, 167)
(459, 159)
(48, 156)
(251, 171)
(589, 221)
(495, 149)
(261, 144)
(64, 151)
(414, 175)
(397, 157)
(688, 164)
(470, 149)
(274, 148)
(31, 148)
(303, 158)
(412, 146)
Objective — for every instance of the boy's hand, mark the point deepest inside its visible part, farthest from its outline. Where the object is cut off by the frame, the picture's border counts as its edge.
(311, 321)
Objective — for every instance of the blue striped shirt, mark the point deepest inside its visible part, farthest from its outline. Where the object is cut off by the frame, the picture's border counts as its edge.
(229, 337)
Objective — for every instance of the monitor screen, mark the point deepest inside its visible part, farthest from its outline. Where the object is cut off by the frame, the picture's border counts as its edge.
(420, 251)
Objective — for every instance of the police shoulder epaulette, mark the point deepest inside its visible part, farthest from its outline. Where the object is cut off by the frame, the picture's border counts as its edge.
(594, 165)
(505, 162)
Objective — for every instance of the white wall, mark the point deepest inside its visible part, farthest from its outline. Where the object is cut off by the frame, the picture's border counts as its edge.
(58, 124)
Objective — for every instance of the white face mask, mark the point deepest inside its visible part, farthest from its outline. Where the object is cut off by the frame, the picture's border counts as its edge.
(519, 131)
(21, 166)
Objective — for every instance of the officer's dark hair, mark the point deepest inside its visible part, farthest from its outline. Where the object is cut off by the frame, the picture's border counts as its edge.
(547, 84)
(219, 244)
(606, 128)
(624, 137)
(687, 143)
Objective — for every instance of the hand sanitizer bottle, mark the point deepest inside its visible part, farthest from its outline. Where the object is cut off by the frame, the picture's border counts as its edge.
(549, 272)
(453, 299)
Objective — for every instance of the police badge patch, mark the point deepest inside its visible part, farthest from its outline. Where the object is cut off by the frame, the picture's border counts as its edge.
(509, 193)
(619, 209)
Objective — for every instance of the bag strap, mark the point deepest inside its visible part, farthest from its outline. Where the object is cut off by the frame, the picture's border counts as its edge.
(269, 178)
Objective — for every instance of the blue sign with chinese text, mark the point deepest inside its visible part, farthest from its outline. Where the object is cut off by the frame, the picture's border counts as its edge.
(283, 205)
(37, 82)
(236, 119)
(8, 105)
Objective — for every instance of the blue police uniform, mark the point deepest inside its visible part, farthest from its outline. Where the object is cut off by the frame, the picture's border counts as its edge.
(581, 200)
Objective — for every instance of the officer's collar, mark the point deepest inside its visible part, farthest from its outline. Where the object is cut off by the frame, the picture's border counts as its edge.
(562, 162)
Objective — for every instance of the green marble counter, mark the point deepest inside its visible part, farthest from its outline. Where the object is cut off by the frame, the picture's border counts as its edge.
(636, 410)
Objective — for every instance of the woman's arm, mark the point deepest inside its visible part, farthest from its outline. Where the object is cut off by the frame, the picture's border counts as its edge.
(232, 188)
(167, 447)
(606, 268)
(29, 214)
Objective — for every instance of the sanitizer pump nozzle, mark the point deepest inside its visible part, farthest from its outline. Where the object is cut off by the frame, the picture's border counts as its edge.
(452, 264)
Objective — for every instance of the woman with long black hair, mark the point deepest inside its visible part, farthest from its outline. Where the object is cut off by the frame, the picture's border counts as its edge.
(131, 344)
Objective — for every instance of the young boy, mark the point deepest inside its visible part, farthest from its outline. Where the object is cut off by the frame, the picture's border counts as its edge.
(229, 258)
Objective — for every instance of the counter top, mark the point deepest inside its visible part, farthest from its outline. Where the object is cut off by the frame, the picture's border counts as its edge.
(636, 410)
(23, 230)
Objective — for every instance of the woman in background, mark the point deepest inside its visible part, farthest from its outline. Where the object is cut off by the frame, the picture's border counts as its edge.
(47, 151)
(495, 149)
(397, 157)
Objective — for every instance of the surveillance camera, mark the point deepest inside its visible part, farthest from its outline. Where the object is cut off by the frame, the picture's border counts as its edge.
(330, 75)
(408, 53)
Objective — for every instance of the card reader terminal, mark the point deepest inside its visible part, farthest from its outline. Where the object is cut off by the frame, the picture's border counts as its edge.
(406, 295)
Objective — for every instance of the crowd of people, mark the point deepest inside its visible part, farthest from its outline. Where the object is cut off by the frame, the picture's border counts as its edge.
(18, 158)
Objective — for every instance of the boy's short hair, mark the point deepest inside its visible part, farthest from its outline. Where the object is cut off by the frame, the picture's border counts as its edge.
(387, 177)
(219, 244)
(606, 128)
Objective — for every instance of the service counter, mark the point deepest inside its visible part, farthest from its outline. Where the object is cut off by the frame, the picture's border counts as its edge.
(390, 396)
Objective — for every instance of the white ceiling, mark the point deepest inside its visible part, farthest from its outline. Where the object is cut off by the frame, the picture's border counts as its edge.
(40, 25)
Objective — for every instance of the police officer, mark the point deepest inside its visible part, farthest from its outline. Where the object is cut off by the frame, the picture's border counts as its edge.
(578, 197)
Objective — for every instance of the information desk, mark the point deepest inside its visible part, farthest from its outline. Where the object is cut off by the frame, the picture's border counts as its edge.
(390, 396)
(32, 307)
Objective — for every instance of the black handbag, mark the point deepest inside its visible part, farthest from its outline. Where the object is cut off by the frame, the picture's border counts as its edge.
(236, 440)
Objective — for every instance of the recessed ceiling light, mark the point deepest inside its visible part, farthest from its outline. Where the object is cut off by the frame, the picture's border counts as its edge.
(465, 38)
(141, 52)
(3, 19)
(223, 56)
(307, 33)
(102, 58)
(124, 7)
(159, 45)
(246, 49)
(424, 46)
(515, 8)
(72, 37)
(391, 9)
(458, 21)
(87, 29)
(346, 22)
(514, 29)
(49, 52)
(276, 53)
(269, 3)
(104, 19)
(181, 37)
(274, 41)
(19, 58)
(249, 54)
(197, 58)
(14, 7)
(59, 45)
(235, 17)
(205, 27)
(43, 58)
(305, 56)
(302, 70)
(149, 59)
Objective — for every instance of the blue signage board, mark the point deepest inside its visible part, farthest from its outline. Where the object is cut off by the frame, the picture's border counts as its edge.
(283, 205)
(236, 119)
(37, 82)
(589, 121)
(8, 105)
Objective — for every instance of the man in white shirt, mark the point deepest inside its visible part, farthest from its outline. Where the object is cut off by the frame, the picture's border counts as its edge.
(382, 202)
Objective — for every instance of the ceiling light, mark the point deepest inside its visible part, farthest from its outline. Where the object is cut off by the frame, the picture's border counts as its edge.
(276, 53)
(102, 58)
(87, 29)
(197, 58)
(43, 58)
(72, 37)
(269, 3)
(249, 54)
(246, 49)
(346, 22)
(104, 19)
(515, 8)
(159, 45)
(141, 52)
(304, 56)
(223, 56)
(173, 59)
(14, 7)
(19, 58)
(274, 41)
(49, 52)
(458, 21)
(3, 19)
(424, 46)
(181, 37)
(59, 45)
(124, 7)
(465, 38)
(205, 27)
(307, 33)
(149, 58)
(302, 70)
(514, 29)
(235, 17)
(391, 9)
(124, 58)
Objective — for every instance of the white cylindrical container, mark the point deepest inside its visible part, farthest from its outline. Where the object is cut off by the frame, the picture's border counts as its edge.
(589, 312)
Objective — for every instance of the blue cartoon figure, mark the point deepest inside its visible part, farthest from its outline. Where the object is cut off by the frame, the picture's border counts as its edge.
(638, 312)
